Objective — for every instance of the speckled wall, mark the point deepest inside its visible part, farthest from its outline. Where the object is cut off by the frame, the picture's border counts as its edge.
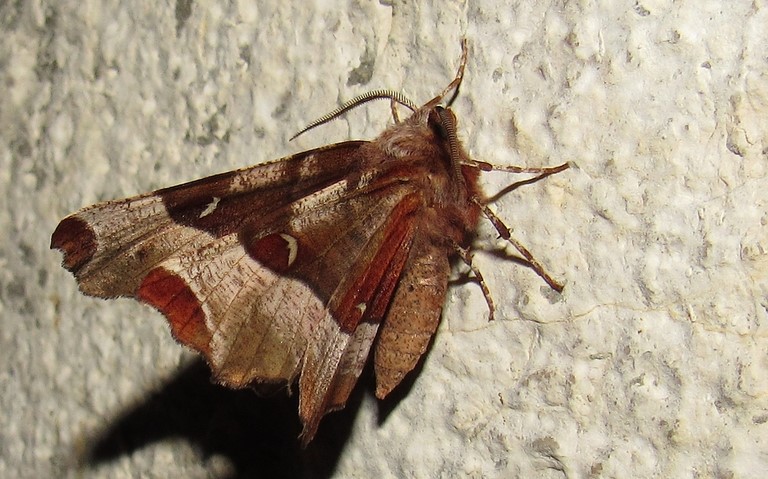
(652, 363)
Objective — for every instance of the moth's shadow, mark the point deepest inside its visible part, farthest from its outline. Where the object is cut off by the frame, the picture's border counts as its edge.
(258, 436)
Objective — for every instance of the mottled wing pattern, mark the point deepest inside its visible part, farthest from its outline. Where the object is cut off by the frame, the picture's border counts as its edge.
(271, 272)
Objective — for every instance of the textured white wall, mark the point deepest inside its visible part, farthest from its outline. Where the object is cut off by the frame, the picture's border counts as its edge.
(653, 362)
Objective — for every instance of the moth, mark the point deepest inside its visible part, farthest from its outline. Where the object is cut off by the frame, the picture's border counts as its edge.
(292, 269)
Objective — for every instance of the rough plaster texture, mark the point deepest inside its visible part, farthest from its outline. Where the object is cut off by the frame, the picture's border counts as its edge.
(652, 363)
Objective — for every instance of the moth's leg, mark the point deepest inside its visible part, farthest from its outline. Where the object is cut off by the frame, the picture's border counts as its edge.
(543, 172)
(395, 115)
(466, 256)
(504, 233)
(454, 85)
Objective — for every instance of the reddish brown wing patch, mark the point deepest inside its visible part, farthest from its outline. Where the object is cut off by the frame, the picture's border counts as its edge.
(171, 295)
(368, 295)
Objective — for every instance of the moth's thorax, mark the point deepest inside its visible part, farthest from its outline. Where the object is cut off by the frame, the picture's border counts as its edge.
(411, 138)
(420, 154)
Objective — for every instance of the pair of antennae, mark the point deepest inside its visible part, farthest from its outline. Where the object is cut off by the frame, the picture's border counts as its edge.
(394, 96)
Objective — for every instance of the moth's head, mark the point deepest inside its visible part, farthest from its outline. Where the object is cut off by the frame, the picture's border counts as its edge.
(443, 121)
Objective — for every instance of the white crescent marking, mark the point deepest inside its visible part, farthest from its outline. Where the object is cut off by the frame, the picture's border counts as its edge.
(211, 207)
(293, 247)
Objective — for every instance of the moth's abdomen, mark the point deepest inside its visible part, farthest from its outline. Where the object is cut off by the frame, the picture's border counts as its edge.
(413, 315)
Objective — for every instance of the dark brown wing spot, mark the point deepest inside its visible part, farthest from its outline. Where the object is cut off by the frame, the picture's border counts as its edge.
(275, 251)
(75, 238)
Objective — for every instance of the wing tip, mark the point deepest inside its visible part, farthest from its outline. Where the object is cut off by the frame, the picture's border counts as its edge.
(76, 239)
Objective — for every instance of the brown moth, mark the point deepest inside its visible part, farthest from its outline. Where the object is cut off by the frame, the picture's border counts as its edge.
(293, 268)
